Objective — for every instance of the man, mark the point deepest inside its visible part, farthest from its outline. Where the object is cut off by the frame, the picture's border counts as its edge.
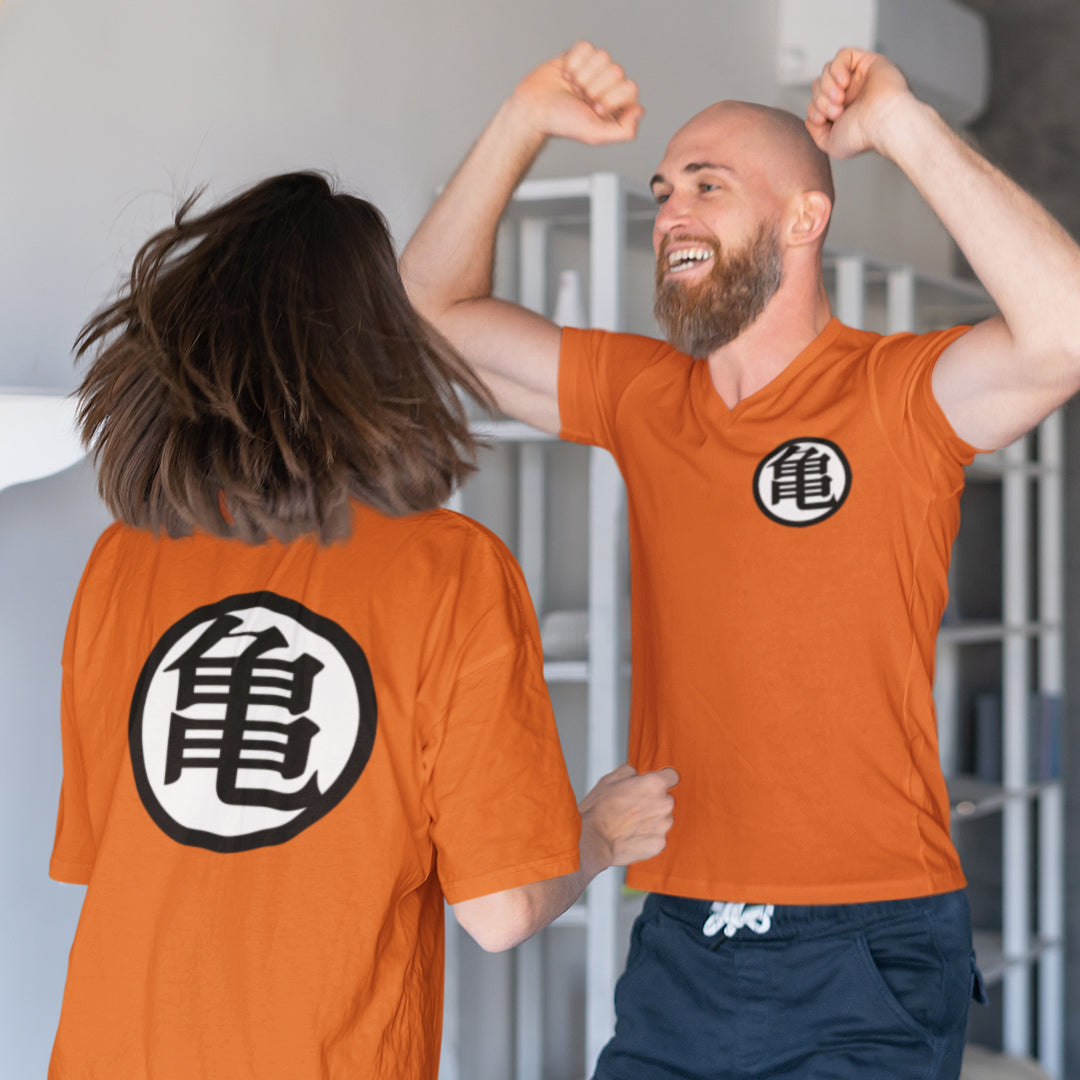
(793, 492)
(302, 705)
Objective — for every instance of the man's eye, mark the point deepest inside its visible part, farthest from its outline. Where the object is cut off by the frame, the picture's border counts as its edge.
(660, 197)
(705, 186)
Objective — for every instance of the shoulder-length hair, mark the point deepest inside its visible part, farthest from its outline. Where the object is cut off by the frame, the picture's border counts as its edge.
(263, 367)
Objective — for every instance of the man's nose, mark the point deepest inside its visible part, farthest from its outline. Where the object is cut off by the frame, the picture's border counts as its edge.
(671, 214)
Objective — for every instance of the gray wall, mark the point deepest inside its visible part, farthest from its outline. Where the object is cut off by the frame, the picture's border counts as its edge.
(109, 111)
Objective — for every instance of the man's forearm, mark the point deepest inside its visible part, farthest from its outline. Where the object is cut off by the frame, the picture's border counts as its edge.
(582, 95)
(449, 259)
(1023, 257)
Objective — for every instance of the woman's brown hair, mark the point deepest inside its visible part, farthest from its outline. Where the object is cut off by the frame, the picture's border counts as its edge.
(263, 367)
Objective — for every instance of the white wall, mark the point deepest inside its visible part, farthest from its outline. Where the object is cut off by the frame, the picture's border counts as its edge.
(46, 532)
(110, 111)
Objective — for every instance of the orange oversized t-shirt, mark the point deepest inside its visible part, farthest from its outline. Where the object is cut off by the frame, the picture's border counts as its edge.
(278, 760)
(788, 567)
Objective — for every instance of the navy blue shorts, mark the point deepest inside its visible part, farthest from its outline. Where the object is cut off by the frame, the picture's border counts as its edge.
(748, 992)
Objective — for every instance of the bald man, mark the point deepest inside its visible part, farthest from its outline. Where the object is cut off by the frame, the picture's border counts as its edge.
(793, 491)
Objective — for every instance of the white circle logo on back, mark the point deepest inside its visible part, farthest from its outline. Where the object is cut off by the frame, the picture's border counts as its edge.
(252, 718)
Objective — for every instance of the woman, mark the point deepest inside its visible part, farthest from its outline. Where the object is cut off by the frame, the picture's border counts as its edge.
(302, 704)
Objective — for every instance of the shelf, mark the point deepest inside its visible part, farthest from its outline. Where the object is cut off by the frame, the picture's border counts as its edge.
(575, 915)
(878, 269)
(975, 631)
(566, 671)
(37, 434)
(568, 200)
(508, 431)
(995, 467)
(990, 954)
(971, 798)
(629, 902)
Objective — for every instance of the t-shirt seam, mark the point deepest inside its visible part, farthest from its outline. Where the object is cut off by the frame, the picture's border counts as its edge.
(510, 650)
(589, 358)
(618, 404)
(930, 498)
(68, 867)
(926, 487)
(913, 649)
(697, 888)
(499, 555)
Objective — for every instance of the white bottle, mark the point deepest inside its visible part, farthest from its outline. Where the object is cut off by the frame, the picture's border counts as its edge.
(570, 304)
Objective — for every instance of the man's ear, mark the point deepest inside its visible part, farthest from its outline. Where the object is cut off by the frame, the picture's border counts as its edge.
(809, 218)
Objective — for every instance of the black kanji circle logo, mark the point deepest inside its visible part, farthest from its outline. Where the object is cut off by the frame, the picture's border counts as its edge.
(252, 718)
(802, 482)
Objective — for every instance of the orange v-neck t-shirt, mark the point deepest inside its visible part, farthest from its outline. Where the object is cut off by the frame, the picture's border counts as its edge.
(788, 570)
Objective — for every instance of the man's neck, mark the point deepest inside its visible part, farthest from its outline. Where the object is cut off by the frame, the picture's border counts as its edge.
(789, 323)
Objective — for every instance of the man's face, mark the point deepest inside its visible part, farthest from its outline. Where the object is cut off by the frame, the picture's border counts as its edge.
(699, 316)
(716, 235)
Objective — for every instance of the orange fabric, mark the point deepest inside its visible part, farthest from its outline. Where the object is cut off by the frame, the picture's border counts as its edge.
(784, 669)
(318, 955)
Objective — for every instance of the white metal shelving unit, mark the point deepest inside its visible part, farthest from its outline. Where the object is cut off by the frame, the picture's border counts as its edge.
(865, 292)
(599, 204)
(1030, 946)
(1029, 950)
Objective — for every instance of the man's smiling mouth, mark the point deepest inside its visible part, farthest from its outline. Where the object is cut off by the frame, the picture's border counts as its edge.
(685, 258)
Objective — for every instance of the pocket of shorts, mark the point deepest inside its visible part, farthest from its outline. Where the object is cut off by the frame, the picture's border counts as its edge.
(903, 1002)
(638, 950)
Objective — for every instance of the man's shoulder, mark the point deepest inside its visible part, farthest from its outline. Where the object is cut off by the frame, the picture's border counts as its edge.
(856, 341)
(618, 342)
(890, 354)
(619, 360)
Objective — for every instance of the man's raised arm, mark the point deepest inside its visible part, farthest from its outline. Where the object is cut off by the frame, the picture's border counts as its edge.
(1000, 379)
(447, 266)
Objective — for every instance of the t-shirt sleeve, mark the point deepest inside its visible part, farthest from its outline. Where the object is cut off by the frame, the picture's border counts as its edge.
(74, 848)
(901, 373)
(503, 813)
(596, 368)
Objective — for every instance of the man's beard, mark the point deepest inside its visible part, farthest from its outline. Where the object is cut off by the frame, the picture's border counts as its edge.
(698, 319)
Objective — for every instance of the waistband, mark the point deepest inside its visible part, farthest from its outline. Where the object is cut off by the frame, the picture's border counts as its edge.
(779, 922)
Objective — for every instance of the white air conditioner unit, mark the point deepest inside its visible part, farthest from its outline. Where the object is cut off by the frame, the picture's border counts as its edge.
(942, 48)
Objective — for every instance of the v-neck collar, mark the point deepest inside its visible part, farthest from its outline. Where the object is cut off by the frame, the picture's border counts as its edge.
(717, 410)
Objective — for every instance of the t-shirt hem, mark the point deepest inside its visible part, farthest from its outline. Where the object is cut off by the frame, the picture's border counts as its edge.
(570, 349)
(70, 873)
(964, 451)
(853, 893)
(498, 880)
